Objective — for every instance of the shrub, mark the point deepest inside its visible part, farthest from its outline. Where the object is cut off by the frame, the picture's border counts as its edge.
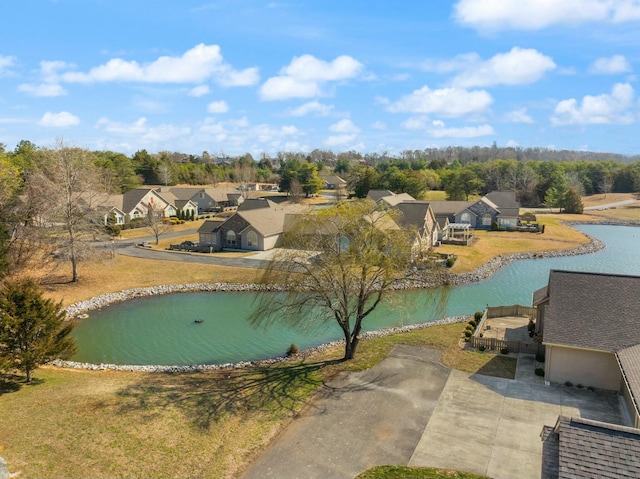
(482, 347)
(468, 333)
(293, 350)
(473, 323)
(495, 226)
(478, 315)
(569, 384)
(504, 351)
(451, 260)
(540, 357)
(579, 386)
(539, 372)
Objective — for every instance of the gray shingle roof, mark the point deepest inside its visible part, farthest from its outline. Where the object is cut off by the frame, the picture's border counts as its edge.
(449, 207)
(413, 213)
(592, 310)
(591, 449)
(376, 195)
(506, 202)
(629, 361)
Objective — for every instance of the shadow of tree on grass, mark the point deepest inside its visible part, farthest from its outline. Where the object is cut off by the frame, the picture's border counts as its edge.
(206, 397)
(11, 383)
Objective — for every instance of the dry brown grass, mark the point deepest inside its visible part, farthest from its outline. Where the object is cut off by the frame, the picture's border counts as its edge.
(490, 244)
(125, 272)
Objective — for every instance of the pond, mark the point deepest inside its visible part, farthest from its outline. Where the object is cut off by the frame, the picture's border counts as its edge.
(162, 329)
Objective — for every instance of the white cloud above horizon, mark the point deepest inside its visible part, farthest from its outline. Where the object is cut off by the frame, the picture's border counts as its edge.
(63, 119)
(496, 15)
(218, 107)
(306, 76)
(610, 65)
(613, 108)
(200, 63)
(449, 102)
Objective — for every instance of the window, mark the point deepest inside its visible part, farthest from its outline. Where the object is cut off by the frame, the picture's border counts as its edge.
(252, 239)
(486, 219)
(343, 243)
(465, 218)
(231, 238)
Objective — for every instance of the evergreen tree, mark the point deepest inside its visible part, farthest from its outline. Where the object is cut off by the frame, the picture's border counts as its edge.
(573, 202)
(32, 329)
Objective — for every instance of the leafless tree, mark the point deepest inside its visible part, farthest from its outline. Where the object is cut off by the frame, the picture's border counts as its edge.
(66, 197)
(338, 264)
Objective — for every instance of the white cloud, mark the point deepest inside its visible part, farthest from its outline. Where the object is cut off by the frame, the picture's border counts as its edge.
(144, 133)
(600, 109)
(416, 123)
(337, 140)
(42, 90)
(344, 126)
(538, 14)
(200, 90)
(314, 106)
(218, 107)
(439, 130)
(379, 125)
(197, 65)
(519, 116)
(449, 102)
(610, 65)
(58, 120)
(305, 76)
(520, 66)
(6, 62)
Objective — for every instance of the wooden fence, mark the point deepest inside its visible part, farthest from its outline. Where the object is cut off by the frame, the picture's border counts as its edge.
(497, 345)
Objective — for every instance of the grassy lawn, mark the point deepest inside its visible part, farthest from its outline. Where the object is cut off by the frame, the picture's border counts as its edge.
(212, 424)
(490, 244)
(401, 472)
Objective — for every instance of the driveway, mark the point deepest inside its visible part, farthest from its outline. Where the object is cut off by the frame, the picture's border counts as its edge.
(411, 410)
(358, 421)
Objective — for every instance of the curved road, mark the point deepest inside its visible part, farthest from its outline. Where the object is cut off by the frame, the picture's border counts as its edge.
(129, 248)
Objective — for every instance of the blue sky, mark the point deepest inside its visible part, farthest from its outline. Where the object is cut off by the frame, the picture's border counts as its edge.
(236, 76)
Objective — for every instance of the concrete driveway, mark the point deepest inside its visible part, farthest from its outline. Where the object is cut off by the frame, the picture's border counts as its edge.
(361, 420)
(411, 410)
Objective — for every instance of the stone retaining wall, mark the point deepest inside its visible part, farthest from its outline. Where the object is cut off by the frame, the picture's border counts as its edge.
(245, 364)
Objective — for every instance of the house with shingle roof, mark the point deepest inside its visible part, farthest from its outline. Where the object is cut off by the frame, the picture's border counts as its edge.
(206, 199)
(257, 225)
(589, 326)
(577, 448)
(419, 216)
(137, 203)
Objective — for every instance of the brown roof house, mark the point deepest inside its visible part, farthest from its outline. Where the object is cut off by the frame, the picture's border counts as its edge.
(589, 326)
(138, 202)
(420, 216)
(257, 225)
(207, 199)
(389, 197)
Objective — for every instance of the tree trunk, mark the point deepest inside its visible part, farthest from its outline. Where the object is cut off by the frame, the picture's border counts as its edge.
(350, 348)
(28, 372)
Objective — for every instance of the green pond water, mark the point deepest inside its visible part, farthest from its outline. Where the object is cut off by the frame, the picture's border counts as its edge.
(161, 329)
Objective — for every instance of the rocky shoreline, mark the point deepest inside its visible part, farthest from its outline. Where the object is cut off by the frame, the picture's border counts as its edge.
(79, 309)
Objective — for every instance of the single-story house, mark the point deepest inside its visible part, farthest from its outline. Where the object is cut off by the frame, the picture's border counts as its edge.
(582, 448)
(138, 202)
(589, 327)
(481, 214)
(207, 199)
(389, 197)
(257, 225)
(334, 182)
(419, 215)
